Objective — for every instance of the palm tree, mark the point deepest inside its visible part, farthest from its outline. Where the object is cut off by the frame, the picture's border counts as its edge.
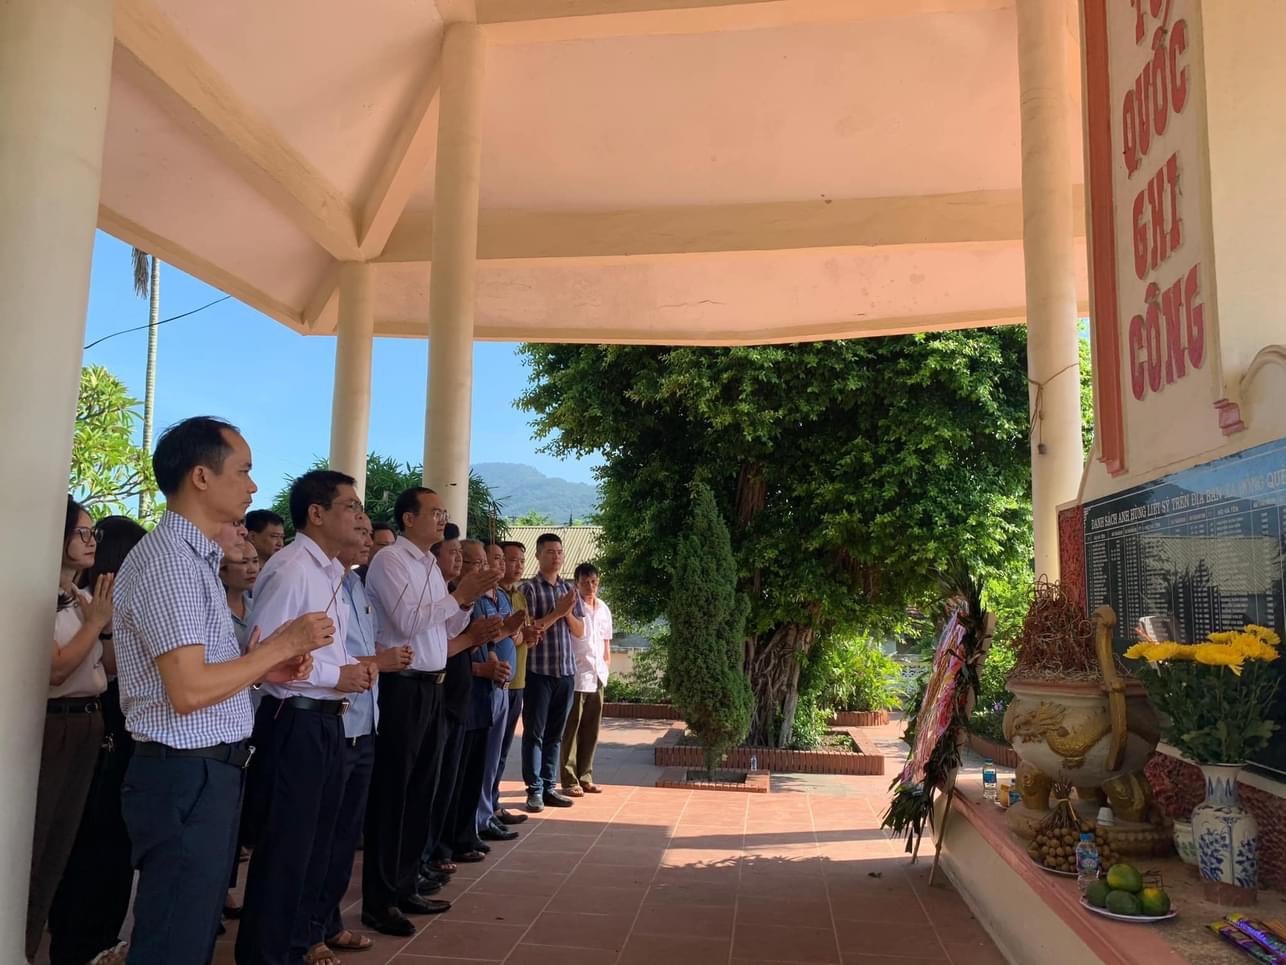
(147, 282)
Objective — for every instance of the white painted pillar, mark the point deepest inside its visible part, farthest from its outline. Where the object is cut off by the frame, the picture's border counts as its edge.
(55, 70)
(451, 286)
(1044, 36)
(350, 410)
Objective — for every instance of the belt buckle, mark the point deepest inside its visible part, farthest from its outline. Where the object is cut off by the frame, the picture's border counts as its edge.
(250, 753)
(344, 704)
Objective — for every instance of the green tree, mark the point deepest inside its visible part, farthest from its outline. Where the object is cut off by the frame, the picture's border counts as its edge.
(707, 629)
(108, 471)
(850, 472)
(386, 478)
(147, 282)
(533, 517)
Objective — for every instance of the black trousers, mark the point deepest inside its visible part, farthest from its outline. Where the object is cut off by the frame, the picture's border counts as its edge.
(408, 756)
(359, 760)
(93, 897)
(182, 819)
(462, 821)
(439, 844)
(300, 790)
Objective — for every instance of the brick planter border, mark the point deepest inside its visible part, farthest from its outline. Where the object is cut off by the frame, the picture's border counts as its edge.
(1002, 754)
(860, 718)
(668, 753)
(757, 782)
(641, 711)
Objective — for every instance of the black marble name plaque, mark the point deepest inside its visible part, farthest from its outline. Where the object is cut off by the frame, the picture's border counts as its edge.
(1194, 552)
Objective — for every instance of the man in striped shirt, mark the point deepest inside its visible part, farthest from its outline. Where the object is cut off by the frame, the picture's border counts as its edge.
(555, 610)
(183, 683)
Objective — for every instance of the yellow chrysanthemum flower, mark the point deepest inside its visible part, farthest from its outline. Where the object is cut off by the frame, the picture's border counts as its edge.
(1223, 637)
(1168, 651)
(1253, 648)
(1218, 655)
(1268, 636)
(1140, 651)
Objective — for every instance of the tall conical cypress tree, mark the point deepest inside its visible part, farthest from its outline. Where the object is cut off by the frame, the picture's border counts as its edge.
(707, 632)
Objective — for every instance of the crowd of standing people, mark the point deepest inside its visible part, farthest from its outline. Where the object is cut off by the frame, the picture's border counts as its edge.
(217, 692)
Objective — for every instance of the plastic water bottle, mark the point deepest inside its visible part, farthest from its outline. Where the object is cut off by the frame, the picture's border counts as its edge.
(990, 789)
(1086, 861)
(754, 762)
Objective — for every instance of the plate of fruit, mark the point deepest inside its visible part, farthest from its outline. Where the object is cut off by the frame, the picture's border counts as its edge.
(1054, 849)
(1123, 895)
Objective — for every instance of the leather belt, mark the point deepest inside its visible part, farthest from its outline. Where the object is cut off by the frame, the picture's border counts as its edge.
(238, 754)
(334, 707)
(437, 676)
(73, 705)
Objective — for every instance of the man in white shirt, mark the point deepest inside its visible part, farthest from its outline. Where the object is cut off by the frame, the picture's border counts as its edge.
(412, 608)
(593, 650)
(300, 728)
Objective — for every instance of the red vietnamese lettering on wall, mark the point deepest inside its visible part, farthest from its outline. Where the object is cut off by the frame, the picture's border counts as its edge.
(1160, 89)
(1166, 339)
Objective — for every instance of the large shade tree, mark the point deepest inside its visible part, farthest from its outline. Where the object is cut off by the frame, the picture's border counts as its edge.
(386, 478)
(849, 472)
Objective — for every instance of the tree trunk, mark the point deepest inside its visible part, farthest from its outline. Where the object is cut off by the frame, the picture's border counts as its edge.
(788, 706)
(149, 379)
(774, 679)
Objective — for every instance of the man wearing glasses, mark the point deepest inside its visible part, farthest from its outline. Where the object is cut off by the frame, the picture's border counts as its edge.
(300, 728)
(412, 608)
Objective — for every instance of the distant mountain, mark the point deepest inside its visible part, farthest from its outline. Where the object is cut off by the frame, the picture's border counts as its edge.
(524, 489)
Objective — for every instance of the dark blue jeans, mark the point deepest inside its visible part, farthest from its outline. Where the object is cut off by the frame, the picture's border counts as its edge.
(546, 703)
(182, 819)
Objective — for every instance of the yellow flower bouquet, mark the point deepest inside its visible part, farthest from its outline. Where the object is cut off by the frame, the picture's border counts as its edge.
(1216, 696)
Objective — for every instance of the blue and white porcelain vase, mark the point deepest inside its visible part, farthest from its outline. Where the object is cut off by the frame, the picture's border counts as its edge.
(1226, 834)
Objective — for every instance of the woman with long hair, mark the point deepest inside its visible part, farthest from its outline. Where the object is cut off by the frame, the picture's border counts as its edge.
(93, 897)
(73, 717)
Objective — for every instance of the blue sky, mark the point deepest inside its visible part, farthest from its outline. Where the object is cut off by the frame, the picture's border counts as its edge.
(233, 362)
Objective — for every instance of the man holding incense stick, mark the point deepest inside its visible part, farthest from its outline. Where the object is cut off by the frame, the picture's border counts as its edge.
(302, 729)
(413, 608)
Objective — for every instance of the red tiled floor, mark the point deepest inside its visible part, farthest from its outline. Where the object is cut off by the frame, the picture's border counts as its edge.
(673, 949)
(644, 876)
(582, 929)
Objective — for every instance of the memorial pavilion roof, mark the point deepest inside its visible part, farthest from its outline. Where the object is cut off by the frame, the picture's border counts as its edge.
(653, 171)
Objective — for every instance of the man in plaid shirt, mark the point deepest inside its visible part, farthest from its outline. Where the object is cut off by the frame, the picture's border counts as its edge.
(556, 612)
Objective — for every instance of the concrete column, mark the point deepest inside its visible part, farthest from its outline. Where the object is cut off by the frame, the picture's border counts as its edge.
(451, 285)
(1044, 36)
(55, 71)
(350, 409)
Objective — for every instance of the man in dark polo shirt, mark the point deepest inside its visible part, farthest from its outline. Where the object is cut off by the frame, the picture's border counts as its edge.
(555, 609)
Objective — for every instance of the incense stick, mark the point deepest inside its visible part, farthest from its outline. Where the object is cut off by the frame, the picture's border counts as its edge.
(416, 625)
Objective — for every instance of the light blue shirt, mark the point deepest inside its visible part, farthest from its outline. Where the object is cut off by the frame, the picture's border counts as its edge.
(363, 712)
(243, 626)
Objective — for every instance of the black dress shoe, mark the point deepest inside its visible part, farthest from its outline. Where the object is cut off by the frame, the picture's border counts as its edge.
(477, 845)
(437, 877)
(556, 800)
(510, 817)
(495, 831)
(392, 922)
(415, 905)
(427, 886)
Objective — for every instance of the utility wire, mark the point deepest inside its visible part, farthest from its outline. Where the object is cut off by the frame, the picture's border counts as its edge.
(172, 318)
